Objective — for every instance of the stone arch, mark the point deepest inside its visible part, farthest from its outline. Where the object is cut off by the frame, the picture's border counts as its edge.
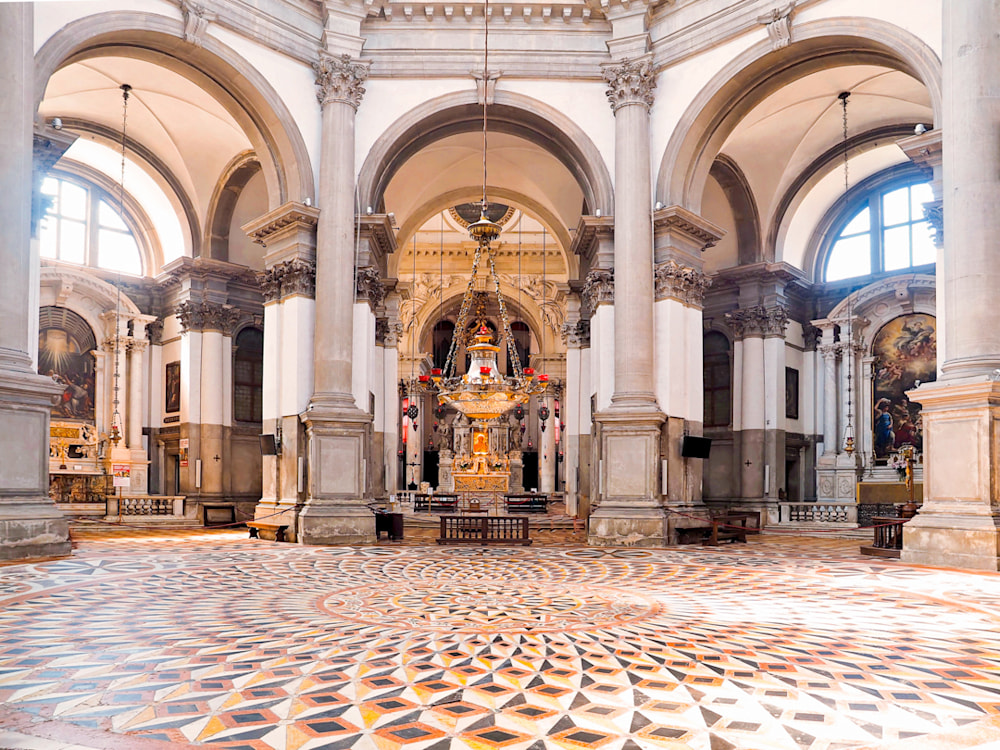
(227, 192)
(511, 113)
(88, 296)
(734, 184)
(760, 71)
(212, 65)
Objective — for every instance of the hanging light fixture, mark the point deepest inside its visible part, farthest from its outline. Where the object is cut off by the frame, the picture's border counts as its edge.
(116, 419)
(849, 427)
(482, 393)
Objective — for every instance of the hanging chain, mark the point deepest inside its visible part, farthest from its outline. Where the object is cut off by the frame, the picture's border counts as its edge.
(463, 316)
(115, 415)
(844, 96)
(504, 321)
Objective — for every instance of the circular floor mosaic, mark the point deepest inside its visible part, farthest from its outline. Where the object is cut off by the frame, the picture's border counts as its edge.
(515, 607)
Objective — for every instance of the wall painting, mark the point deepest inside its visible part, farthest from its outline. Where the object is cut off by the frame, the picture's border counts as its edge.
(66, 354)
(905, 352)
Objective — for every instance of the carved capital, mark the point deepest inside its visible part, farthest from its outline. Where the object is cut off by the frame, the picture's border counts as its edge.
(598, 289)
(269, 282)
(759, 321)
(674, 281)
(369, 287)
(829, 352)
(811, 336)
(338, 79)
(630, 83)
(135, 345)
(779, 25)
(576, 335)
(206, 316)
(934, 213)
(154, 331)
(295, 277)
(196, 21)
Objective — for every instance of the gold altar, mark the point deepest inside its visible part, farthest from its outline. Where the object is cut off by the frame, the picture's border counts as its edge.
(482, 471)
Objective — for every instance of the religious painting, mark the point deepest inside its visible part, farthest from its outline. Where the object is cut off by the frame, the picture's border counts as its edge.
(791, 393)
(65, 353)
(173, 387)
(905, 352)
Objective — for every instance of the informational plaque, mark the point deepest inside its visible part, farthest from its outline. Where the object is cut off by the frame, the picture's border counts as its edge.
(121, 473)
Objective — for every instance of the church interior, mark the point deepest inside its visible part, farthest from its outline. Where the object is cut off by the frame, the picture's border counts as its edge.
(490, 335)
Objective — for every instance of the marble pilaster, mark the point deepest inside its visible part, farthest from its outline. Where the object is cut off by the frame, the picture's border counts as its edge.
(30, 524)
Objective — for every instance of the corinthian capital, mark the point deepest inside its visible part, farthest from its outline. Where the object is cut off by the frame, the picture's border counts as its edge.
(674, 281)
(630, 83)
(598, 289)
(759, 321)
(338, 79)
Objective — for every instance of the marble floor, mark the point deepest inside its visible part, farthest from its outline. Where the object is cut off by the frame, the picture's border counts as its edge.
(148, 641)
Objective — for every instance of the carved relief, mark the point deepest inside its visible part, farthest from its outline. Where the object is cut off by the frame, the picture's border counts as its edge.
(206, 316)
(576, 335)
(674, 281)
(154, 331)
(286, 279)
(759, 321)
(196, 21)
(779, 26)
(826, 486)
(369, 286)
(598, 289)
(845, 486)
(630, 83)
(934, 213)
(338, 79)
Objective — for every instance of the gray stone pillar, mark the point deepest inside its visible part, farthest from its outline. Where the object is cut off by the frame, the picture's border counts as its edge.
(958, 523)
(30, 524)
(629, 466)
(339, 432)
(749, 326)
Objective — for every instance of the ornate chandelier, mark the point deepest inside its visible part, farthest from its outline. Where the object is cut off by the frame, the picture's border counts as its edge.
(482, 393)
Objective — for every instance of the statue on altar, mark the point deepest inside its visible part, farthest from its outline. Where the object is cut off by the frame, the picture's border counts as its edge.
(482, 469)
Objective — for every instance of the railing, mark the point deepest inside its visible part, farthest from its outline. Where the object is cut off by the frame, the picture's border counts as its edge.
(146, 505)
(484, 530)
(827, 513)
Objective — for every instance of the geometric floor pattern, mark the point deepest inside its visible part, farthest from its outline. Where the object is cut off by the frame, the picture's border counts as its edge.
(209, 639)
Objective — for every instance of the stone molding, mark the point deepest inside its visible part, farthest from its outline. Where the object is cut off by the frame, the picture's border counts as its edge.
(290, 216)
(630, 82)
(767, 322)
(778, 22)
(576, 335)
(207, 316)
(682, 283)
(934, 213)
(688, 229)
(598, 289)
(290, 278)
(196, 20)
(339, 79)
(368, 287)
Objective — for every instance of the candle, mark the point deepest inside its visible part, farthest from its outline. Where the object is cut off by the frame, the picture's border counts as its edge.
(484, 370)
(423, 378)
(543, 378)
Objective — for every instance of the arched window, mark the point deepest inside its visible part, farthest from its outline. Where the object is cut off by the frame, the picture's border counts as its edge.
(887, 232)
(718, 380)
(248, 376)
(522, 343)
(83, 226)
(444, 331)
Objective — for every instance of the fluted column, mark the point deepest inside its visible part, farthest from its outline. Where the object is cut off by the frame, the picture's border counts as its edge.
(630, 91)
(830, 354)
(339, 90)
(958, 523)
(30, 524)
(135, 369)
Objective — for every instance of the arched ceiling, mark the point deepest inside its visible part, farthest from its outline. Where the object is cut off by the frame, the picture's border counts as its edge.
(182, 127)
(785, 133)
(454, 166)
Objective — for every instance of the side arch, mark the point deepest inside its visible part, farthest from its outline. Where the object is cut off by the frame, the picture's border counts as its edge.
(214, 66)
(759, 72)
(511, 113)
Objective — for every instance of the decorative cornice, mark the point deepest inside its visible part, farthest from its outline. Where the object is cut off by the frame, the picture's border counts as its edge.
(598, 289)
(290, 278)
(682, 283)
(196, 21)
(289, 216)
(695, 231)
(576, 335)
(338, 79)
(779, 26)
(369, 287)
(759, 321)
(207, 316)
(630, 83)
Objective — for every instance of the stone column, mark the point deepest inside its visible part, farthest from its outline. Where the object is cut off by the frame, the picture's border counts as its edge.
(547, 448)
(576, 336)
(136, 379)
(390, 336)
(30, 524)
(749, 326)
(630, 428)
(958, 523)
(338, 431)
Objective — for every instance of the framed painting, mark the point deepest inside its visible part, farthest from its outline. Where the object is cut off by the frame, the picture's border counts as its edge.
(172, 389)
(791, 393)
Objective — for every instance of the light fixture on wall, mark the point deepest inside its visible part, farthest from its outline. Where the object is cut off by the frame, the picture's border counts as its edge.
(849, 427)
(116, 419)
(483, 394)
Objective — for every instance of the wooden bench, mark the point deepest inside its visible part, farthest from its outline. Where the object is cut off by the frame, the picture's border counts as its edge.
(278, 529)
(731, 526)
(483, 530)
(434, 503)
(530, 502)
(888, 540)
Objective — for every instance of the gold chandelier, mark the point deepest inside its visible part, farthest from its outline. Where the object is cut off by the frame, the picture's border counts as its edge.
(482, 393)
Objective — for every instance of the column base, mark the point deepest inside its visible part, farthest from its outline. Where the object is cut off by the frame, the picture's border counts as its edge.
(335, 511)
(30, 523)
(837, 478)
(630, 511)
(957, 526)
